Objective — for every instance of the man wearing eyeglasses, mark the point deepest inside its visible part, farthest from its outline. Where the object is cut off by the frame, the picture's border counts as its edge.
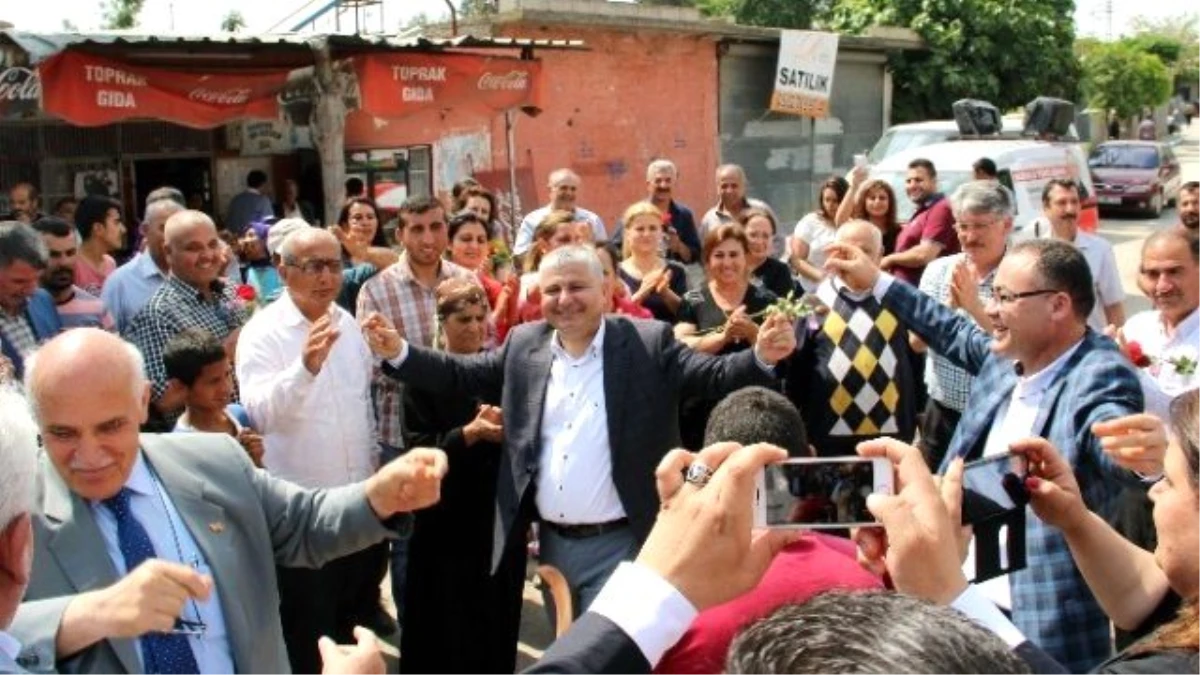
(1040, 372)
(305, 374)
(157, 553)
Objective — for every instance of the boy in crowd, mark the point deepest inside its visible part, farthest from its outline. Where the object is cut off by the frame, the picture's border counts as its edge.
(198, 360)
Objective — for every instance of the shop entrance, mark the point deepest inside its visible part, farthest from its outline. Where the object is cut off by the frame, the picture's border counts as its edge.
(191, 175)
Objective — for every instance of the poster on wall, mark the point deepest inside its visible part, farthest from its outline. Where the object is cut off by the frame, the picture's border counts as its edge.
(102, 182)
(273, 137)
(804, 76)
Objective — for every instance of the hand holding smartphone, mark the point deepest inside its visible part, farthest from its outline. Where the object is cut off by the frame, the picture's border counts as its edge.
(821, 492)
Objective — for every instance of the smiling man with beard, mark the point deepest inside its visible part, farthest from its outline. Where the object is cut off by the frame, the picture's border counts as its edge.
(76, 307)
(1040, 372)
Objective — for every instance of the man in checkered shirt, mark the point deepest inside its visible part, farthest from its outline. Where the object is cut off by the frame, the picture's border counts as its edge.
(27, 313)
(983, 221)
(404, 293)
(193, 296)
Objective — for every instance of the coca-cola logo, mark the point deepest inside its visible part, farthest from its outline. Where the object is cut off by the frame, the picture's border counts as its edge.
(515, 80)
(221, 97)
(20, 84)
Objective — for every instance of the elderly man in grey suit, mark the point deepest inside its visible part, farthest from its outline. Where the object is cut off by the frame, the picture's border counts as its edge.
(158, 553)
(18, 456)
(590, 405)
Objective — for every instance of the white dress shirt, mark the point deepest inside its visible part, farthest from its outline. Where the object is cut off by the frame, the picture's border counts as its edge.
(1014, 423)
(1160, 381)
(153, 508)
(652, 612)
(318, 430)
(574, 482)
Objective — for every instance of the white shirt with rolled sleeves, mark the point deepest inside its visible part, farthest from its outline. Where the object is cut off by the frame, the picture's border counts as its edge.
(530, 222)
(1161, 380)
(1106, 278)
(318, 430)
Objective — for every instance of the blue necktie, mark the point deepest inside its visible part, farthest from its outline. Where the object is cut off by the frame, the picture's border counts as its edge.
(161, 652)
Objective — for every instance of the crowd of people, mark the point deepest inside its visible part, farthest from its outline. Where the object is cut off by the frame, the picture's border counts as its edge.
(226, 442)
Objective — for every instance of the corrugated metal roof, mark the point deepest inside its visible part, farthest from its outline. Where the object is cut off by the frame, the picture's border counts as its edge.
(40, 46)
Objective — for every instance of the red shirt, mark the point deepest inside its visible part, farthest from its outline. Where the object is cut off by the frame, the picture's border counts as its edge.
(933, 221)
(815, 564)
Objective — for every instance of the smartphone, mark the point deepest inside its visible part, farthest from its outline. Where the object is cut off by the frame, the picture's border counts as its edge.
(860, 160)
(994, 486)
(820, 492)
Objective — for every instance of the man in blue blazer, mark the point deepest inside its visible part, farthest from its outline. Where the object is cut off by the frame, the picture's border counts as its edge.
(1042, 372)
(27, 313)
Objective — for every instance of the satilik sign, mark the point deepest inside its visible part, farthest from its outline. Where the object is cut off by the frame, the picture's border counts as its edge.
(804, 77)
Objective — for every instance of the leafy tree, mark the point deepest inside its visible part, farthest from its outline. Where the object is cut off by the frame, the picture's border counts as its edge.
(1174, 41)
(121, 14)
(233, 22)
(776, 13)
(1003, 52)
(1122, 77)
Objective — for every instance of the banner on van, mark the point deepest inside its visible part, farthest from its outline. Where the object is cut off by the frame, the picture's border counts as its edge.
(804, 77)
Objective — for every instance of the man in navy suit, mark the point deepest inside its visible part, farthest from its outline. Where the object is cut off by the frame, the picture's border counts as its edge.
(1042, 372)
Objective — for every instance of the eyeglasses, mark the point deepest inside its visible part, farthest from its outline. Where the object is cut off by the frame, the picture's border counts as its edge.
(314, 267)
(1004, 297)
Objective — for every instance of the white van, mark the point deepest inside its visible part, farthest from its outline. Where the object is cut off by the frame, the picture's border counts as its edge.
(901, 137)
(1023, 166)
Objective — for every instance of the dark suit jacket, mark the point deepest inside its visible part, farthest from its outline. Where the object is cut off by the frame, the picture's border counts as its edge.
(596, 645)
(646, 373)
(43, 319)
(244, 521)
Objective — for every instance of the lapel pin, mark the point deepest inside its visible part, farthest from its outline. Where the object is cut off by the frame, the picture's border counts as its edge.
(217, 527)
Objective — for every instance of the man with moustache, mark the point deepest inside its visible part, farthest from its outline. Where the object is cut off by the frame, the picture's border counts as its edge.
(1189, 206)
(193, 296)
(129, 288)
(1163, 343)
(963, 282)
(156, 553)
(682, 240)
(732, 201)
(305, 376)
(27, 314)
(1060, 210)
(76, 307)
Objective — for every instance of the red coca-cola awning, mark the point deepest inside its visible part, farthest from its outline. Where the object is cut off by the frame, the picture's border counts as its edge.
(396, 85)
(90, 90)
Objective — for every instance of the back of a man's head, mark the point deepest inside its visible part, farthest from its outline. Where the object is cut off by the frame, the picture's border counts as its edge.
(869, 632)
(18, 457)
(758, 415)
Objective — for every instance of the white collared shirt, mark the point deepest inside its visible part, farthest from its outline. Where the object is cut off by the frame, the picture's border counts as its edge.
(1160, 380)
(152, 507)
(574, 481)
(318, 431)
(9, 646)
(1017, 423)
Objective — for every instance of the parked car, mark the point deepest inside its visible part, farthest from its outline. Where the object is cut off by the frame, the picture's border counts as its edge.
(902, 137)
(1138, 175)
(1024, 167)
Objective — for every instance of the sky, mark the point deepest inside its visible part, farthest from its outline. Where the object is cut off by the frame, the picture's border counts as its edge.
(204, 16)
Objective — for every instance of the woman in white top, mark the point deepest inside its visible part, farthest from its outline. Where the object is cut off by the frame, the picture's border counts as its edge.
(814, 232)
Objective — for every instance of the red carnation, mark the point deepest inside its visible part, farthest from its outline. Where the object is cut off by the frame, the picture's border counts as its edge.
(247, 293)
(1136, 355)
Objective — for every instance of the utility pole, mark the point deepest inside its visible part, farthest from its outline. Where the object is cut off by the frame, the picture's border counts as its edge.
(1108, 13)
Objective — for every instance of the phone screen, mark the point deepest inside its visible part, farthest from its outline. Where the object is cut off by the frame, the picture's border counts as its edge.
(993, 486)
(825, 493)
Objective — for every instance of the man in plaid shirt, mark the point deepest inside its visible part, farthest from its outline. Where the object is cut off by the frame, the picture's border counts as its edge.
(193, 296)
(963, 281)
(404, 293)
